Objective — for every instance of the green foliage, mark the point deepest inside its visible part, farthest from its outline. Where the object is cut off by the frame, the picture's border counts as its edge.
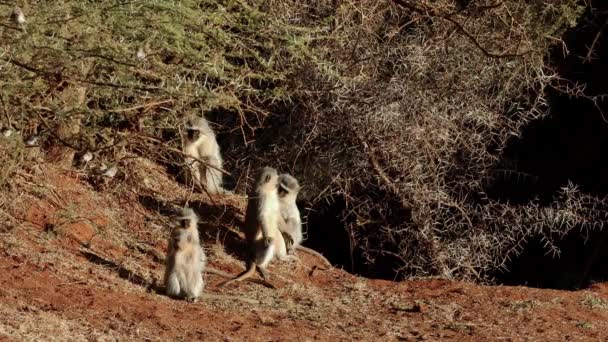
(199, 56)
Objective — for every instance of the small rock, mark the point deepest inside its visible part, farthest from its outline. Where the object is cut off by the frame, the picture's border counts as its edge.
(141, 55)
(6, 132)
(87, 157)
(31, 141)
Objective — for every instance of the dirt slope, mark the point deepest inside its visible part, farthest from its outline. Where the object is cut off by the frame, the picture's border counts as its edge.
(82, 260)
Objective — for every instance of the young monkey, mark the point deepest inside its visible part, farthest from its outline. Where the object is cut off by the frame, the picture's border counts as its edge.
(186, 262)
(199, 143)
(262, 220)
(292, 224)
(291, 227)
(186, 259)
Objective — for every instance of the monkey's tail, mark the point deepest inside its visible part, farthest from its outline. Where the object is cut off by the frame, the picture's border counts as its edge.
(226, 275)
(317, 254)
(246, 275)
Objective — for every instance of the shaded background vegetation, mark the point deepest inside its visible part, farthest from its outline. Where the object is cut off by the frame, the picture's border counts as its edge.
(402, 119)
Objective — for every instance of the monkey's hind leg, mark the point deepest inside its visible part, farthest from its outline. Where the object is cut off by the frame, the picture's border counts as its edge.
(172, 286)
(195, 288)
(263, 273)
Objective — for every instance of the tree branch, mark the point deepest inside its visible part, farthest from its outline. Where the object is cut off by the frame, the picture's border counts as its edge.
(459, 27)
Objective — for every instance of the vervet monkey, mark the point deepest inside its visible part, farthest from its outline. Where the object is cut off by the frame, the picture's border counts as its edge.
(186, 259)
(262, 220)
(186, 262)
(199, 144)
(86, 157)
(291, 227)
(33, 151)
(106, 171)
(84, 160)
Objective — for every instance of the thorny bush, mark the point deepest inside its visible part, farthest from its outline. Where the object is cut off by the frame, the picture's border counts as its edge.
(425, 95)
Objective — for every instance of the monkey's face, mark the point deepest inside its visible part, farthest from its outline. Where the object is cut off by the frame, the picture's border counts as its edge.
(268, 176)
(181, 223)
(193, 134)
(288, 185)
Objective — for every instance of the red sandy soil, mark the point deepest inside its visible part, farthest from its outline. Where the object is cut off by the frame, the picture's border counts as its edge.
(83, 262)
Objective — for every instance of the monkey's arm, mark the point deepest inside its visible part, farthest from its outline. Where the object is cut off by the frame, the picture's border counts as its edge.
(267, 226)
(270, 226)
(288, 240)
(315, 253)
(193, 166)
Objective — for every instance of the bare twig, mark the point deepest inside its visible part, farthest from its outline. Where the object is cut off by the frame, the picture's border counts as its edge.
(425, 10)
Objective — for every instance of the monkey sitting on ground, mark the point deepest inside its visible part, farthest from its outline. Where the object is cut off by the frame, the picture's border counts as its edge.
(291, 225)
(262, 220)
(199, 144)
(185, 260)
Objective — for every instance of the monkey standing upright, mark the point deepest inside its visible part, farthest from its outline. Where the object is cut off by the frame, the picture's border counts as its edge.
(199, 143)
(186, 259)
(291, 225)
(262, 220)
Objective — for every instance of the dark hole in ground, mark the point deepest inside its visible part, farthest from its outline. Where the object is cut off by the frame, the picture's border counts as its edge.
(327, 234)
(582, 262)
(569, 145)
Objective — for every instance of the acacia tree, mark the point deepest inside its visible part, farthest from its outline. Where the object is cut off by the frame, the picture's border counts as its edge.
(400, 108)
(408, 121)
